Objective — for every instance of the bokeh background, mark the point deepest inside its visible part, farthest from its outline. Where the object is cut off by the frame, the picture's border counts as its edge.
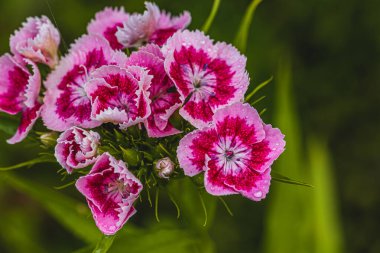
(325, 59)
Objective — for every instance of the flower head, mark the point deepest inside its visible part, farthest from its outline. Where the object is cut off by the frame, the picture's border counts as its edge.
(66, 102)
(76, 148)
(119, 95)
(236, 152)
(163, 95)
(19, 90)
(106, 23)
(37, 40)
(153, 26)
(208, 76)
(110, 190)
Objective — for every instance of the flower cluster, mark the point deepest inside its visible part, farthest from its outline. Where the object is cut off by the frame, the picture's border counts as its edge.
(147, 78)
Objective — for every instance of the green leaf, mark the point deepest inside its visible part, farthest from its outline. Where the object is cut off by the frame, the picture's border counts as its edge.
(283, 179)
(258, 87)
(72, 214)
(210, 19)
(241, 37)
(30, 163)
(104, 244)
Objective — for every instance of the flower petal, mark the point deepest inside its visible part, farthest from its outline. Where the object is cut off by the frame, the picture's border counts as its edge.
(28, 118)
(106, 23)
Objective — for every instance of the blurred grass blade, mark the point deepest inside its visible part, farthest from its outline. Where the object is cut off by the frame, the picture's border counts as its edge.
(258, 87)
(241, 37)
(211, 17)
(283, 179)
(42, 159)
(73, 215)
(328, 233)
(104, 244)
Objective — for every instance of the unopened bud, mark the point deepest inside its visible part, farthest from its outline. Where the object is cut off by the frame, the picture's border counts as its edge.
(164, 167)
(49, 139)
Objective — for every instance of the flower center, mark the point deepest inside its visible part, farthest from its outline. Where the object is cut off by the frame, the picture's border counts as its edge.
(229, 155)
(118, 188)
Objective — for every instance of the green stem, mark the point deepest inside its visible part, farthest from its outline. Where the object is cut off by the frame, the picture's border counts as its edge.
(211, 17)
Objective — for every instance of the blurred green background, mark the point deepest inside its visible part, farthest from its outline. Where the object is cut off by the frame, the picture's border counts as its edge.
(325, 59)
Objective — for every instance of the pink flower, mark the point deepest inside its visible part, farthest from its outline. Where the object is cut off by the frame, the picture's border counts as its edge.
(66, 102)
(110, 190)
(19, 90)
(106, 23)
(76, 148)
(119, 95)
(236, 152)
(37, 40)
(208, 76)
(153, 26)
(163, 95)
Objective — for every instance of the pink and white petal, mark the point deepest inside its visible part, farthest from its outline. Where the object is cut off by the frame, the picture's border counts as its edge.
(13, 83)
(214, 180)
(120, 59)
(152, 49)
(264, 153)
(107, 22)
(193, 150)
(155, 132)
(240, 120)
(28, 30)
(252, 185)
(34, 85)
(143, 77)
(28, 118)
(199, 114)
(133, 33)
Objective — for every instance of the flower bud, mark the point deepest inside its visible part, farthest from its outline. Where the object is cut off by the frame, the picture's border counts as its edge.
(164, 167)
(130, 156)
(49, 139)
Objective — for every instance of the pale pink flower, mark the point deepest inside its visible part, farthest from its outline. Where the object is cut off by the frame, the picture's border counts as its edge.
(163, 94)
(110, 189)
(66, 102)
(37, 40)
(153, 26)
(119, 95)
(77, 148)
(236, 152)
(106, 23)
(208, 76)
(19, 90)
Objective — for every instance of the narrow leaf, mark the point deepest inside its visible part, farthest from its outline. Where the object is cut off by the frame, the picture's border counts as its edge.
(42, 159)
(283, 179)
(258, 87)
(211, 17)
(242, 35)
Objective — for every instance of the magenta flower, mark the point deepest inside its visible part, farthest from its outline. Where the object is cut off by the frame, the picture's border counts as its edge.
(207, 76)
(110, 190)
(37, 40)
(236, 152)
(153, 26)
(76, 148)
(106, 23)
(119, 95)
(66, 102)
(19, 90)
(163, 95)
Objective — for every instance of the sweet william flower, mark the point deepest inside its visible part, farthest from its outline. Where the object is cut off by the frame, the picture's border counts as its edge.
(106, 23)
(208, 76)
(38, 40)
(153, 26)
(19, 90)
(77, 148)
(119, 95)
(110, 189)
(163, 94)
(66, 102)
(236, 152)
